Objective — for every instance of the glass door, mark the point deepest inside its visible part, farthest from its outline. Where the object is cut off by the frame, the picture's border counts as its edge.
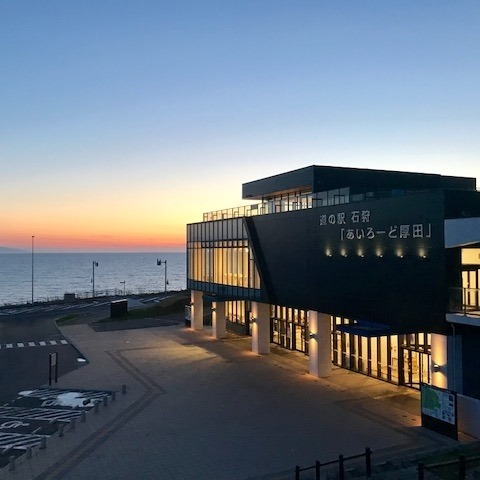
(415, 368)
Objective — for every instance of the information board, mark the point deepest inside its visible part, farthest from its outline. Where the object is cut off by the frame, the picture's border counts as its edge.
(439, 409)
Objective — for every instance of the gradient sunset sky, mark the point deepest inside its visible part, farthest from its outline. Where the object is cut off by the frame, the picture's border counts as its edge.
(122, 120)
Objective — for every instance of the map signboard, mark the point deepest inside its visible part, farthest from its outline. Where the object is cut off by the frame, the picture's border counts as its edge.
(439, 409)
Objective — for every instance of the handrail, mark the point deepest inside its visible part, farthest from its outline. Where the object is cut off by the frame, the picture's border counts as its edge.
(341, 468)
(464, 300)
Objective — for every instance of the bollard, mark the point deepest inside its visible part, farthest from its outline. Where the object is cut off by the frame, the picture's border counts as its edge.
(105, 401)
(341, 468)
(124, 389)
(29, 452)
(60, 430)
(297, 473)
(83, 416)
(11, 462)
(72, 424)
(96, 403)
(43, 443)
(368, 462)
(462, 467)
(113, 396)
(421, 468)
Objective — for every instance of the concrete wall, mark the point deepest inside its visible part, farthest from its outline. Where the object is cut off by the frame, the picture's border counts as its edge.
(468, 413)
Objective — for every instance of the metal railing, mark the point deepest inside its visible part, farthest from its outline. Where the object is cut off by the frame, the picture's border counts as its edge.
(300, 202)
(341, 465)
(84, 295)
(464, 300)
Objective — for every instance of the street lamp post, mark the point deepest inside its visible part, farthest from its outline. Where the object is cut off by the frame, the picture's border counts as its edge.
(123, 287)
(159, 263)
(33, 244)
(94, 264)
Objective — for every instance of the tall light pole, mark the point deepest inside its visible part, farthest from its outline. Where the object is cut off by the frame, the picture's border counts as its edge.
(33, 248)
(159, 263)
(94, 264)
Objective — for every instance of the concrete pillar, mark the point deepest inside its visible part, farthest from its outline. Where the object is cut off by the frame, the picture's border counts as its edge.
(320, 344)
(260, 327)
(438, 366)
(219, 323)
(196, 300)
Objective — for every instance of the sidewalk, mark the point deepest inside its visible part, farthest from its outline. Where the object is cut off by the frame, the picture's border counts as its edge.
(199, 408)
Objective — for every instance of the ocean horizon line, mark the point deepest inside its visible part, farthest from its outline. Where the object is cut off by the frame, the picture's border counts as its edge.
(14, 251)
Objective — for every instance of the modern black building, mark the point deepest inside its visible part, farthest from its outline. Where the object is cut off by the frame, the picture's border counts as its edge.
(375, 271)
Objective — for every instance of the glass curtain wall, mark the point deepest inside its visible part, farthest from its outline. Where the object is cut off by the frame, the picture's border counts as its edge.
(219, 254)
(399, 359)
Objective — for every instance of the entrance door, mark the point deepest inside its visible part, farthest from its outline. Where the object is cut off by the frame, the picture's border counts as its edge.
(415, 368)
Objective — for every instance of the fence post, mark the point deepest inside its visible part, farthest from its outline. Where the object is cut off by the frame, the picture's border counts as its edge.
(317, 470)
(341, 469)
(368, 462)
(297, 473)
(462, 467)
(421, 468)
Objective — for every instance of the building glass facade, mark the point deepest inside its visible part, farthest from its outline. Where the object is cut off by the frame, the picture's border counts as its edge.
(371, 250)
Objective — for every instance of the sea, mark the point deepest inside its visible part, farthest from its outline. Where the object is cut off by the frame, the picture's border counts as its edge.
(48, 276)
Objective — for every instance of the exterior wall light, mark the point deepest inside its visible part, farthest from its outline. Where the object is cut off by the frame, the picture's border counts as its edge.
(436, 368)
(253, 320)
(311, 335)
(213, 309)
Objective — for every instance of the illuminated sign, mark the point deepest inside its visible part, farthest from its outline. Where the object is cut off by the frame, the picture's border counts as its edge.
(356, 225)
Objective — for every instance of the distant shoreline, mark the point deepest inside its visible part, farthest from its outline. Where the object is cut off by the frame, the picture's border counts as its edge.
(11, 250)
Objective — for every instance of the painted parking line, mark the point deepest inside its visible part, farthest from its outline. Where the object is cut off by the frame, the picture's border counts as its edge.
(28, 426)
(47, 414)
(17, 441)
(57, 398)
(39, 413)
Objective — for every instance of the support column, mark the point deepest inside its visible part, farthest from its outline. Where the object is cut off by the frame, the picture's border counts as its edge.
(260, 327)
(196, 300)
(319, 344)
(438, 367)
(219, 323)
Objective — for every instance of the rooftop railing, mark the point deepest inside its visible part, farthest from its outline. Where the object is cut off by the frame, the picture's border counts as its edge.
(290, 203)
(299, 202)
(465, 301)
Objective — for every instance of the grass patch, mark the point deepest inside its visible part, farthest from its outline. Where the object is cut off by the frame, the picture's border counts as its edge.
(174, 304)
(66, 319)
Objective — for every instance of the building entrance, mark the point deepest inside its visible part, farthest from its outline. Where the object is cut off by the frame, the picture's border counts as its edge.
(416, 368)
(289, 335)
(289, 328)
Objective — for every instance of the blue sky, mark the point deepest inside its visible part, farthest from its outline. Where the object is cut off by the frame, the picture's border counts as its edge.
(121, 121)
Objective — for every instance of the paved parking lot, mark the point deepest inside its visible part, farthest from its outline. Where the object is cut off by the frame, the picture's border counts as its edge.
(35, 415)
(198, 408)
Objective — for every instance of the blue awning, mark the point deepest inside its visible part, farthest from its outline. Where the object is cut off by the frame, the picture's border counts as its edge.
(365, 329)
